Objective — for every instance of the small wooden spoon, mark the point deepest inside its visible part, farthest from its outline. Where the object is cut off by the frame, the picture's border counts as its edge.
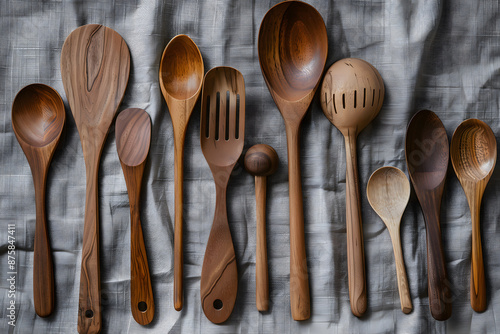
(292, 53)
(352, 94)
(427, 155)
(261, 160)
(133, 137)
(181, 78)
(388, 192)
(38, 117)
(474, 155)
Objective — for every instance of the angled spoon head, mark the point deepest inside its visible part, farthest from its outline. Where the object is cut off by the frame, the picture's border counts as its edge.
(473, 151)
(292, 47)
(38, 116)
(388, 192)
(261, 160)
(427, 151)
(352, 94)
(133, 136)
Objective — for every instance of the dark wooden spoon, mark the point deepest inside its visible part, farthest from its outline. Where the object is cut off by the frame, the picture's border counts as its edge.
(427, 155)
(133, 137)
(38, 118)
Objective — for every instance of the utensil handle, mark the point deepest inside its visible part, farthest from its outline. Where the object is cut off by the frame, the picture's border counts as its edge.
(477, 279)
(261, 268)
(438, 283)
(178, 234)
(43, 269)
(403, 286)
(354, 229)
(219, 274)
(89, 306)
(299, 278)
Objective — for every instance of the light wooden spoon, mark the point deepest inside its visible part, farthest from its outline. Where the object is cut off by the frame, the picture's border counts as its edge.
(474, 155)
(388, 192)
(181, 78)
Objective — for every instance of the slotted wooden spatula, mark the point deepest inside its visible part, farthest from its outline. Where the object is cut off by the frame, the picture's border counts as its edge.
(95, 66)
(222, 135)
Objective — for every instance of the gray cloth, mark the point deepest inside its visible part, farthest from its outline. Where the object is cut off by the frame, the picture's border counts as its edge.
(438, 55)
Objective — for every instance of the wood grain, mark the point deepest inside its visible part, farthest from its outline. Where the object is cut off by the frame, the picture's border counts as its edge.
(473, 155)
(351, 96)
(38, 118)
(133, 138)
(427, 155)
(95, 67)
(292, 72)
(222, 134)
(181, 77)
(388, 192)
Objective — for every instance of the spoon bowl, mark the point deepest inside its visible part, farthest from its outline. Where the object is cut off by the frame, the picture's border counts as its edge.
(38, 117)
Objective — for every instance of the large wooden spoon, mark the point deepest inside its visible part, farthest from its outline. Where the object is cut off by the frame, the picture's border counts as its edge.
(133, 137)
(292, 53)
(181, 78)
(352, 94)
(388, 192)
(95, 66)
(427, 155)
(38, 117)
(474, 155)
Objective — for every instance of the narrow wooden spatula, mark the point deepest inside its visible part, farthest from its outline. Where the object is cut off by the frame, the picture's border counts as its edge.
(95, 66)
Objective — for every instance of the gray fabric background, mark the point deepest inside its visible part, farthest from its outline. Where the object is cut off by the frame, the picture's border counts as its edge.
(439, 55)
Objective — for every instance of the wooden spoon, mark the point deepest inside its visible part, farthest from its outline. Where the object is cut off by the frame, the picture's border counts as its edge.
(181, 77)
(38, 118)
(388, 192)
(474, 155)
(133, 137)
(427, 155)
(352, 94)
(95, 66)
(292, 53)
(261, 160)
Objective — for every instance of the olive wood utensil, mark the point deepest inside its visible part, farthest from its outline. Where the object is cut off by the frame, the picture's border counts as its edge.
(95, 66)
(133, 137)
(222, 134)
(292, 50)
(427, 155)
(261, 161)
(388, 192)
(38, 118)
(181, 78)
(351, 96)
(473, 156)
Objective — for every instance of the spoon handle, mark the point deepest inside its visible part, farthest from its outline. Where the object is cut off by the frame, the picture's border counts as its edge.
(403, 286)
(43, 270)
(89, 306)
(178, 234)
(261, 268)
(299, 277)
(477, 280)
(354, 229)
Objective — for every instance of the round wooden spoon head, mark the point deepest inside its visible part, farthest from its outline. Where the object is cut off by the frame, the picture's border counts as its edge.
(38, 116)
(388, 192)
(133, 136)
(473, 151)
(261, 160)
(352, 94)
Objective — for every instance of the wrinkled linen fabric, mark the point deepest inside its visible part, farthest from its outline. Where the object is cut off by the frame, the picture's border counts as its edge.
(437, 55)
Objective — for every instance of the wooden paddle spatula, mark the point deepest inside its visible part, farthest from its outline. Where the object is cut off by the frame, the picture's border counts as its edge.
(95, 66)
(222, 136)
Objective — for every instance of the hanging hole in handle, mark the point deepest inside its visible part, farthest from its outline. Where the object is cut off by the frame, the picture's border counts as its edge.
(142, 306)
(218, 304)
(89, 314)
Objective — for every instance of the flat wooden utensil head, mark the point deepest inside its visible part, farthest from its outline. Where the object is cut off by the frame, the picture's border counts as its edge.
(292, 46)
(388, 192)
(133, 136)
(95, 67)
(473, 151)
(261, 160)
(352, 94)
(222, 130)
